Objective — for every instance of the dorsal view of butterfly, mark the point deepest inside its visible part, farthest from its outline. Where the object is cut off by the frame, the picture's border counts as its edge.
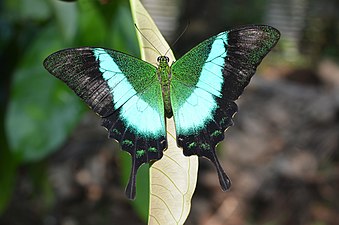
(133, 97)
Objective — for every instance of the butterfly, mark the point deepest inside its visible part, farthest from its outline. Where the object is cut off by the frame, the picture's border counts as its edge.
(199, 90)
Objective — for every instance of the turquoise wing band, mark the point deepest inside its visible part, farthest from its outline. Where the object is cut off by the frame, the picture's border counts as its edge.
(124, 92)
(212, 76)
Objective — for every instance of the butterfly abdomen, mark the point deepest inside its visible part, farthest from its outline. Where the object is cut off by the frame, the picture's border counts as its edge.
(164, 76)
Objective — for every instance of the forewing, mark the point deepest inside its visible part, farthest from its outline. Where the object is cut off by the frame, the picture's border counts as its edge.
(124, 91)
(205, 83)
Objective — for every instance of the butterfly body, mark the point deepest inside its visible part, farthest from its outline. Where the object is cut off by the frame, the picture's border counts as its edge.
(199, 90)
(164, 76)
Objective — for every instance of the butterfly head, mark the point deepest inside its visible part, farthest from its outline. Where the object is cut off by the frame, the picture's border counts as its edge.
(163, 59)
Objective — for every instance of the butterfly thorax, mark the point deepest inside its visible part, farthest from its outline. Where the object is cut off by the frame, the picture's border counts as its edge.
(164, 76)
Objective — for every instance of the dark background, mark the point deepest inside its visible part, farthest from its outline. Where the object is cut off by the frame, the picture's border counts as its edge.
(58, 167)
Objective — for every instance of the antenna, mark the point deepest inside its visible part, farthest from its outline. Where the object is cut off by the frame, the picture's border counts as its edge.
(147, 39)
(182, 33)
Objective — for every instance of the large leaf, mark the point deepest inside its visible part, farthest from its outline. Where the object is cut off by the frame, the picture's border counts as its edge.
(172, 178)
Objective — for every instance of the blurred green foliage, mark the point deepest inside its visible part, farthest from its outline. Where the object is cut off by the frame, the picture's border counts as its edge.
(39, 112)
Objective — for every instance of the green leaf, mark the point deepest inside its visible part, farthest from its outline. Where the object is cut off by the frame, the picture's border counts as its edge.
(172, 178)
(42, 110)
